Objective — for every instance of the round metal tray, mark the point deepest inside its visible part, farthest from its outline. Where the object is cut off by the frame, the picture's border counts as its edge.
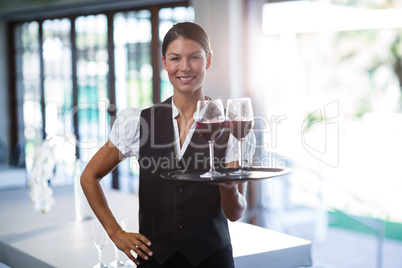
(255, 173)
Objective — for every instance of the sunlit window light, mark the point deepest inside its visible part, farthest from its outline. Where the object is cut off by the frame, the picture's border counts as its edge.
(316, 54)
(305, 17)
(51, 119)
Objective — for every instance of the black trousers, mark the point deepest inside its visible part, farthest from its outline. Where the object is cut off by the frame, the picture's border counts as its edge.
(222, 258)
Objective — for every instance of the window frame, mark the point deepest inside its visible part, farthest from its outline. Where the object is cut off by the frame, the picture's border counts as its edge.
(16, 102)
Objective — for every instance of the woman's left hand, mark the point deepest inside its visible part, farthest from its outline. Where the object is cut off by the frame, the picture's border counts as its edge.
(232, 197)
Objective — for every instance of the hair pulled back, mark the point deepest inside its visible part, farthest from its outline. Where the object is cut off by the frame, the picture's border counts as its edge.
(188, 30)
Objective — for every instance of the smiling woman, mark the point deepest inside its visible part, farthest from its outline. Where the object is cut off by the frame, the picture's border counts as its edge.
(196, 234)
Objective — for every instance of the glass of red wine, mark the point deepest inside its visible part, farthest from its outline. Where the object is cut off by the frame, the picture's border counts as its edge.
(210, 122)
(239, 116)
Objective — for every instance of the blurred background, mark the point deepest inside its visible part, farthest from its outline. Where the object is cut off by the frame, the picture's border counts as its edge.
(325, 78)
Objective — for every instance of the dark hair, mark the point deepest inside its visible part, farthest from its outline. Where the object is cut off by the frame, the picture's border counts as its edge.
(187, 30)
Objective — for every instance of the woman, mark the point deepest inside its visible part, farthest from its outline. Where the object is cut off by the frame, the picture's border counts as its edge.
(181, 224)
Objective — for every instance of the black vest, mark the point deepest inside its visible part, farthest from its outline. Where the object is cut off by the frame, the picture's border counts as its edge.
(178, 216)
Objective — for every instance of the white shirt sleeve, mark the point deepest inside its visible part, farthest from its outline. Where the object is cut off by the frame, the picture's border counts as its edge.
(248, 149)
(125, 133)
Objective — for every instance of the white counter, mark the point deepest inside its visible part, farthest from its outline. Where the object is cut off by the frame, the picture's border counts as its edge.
(31, 239)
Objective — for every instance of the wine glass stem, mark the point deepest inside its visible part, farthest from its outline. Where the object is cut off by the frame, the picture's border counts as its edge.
(211, 156)
(100, 255)
(239, 143)
(116, 252)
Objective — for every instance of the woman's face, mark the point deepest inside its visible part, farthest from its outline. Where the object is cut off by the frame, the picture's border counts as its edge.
(186, 63)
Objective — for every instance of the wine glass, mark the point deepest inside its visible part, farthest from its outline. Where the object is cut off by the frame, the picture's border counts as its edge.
(239, 116)
(210, 122)
(99, 238)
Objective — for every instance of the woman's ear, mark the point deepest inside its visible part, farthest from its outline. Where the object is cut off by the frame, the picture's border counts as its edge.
(209, 60)
(163, 62)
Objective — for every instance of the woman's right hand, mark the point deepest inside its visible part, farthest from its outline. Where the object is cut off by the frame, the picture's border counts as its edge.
(101, 164)
(132, 242)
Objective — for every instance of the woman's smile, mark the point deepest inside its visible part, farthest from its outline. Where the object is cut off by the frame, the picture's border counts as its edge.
(186, 79)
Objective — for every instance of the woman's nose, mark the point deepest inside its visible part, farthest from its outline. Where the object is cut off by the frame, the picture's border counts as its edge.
(185, 66)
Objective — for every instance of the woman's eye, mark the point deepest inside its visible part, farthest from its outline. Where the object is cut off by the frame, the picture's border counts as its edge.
(174, 59)
(195, 58)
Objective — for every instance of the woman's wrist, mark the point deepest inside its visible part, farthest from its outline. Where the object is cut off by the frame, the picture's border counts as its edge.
(115, 234)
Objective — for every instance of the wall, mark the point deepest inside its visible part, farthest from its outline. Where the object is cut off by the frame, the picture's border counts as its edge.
(222, 20)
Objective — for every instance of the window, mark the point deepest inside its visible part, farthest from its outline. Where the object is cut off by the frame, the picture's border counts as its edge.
(29, 110)
(133, 67)
(63, 76)
(343, 102)
(92, 81)
(57, 73)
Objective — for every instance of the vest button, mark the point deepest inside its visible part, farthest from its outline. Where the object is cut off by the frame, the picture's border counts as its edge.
(179, 243)
(179, 208)
(180, 189)
(179, 226)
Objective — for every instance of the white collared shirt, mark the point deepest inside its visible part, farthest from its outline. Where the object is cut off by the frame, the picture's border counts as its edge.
(125, 135)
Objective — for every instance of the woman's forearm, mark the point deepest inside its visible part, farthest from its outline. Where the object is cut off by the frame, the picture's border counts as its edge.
(97, 200)
(101, 164)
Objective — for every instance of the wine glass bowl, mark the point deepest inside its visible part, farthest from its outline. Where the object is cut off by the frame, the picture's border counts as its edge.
(239, 116)
(210, 122)
(240, 128)
(211, 130)
(99, 238)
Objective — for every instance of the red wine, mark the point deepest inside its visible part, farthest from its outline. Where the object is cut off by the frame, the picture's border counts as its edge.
(211, 130)
(240, 129)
